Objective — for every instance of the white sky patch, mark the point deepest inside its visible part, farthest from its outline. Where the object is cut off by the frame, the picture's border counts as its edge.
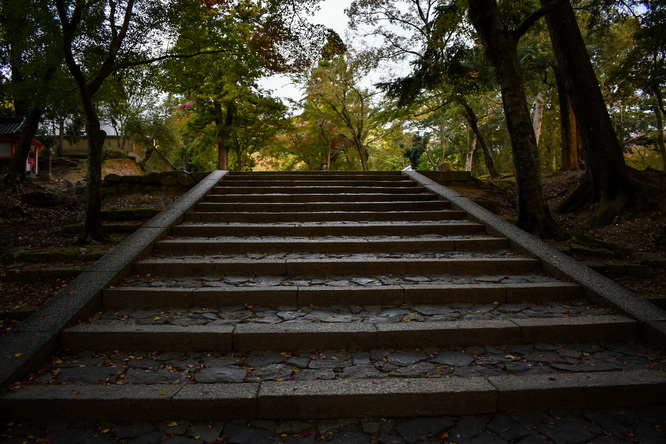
(332, 15)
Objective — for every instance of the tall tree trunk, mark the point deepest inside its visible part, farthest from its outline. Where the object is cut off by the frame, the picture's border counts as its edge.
(470, 155)
(502, 47)
(61, 138)
(473, 122)
(568, 132)
(223, 123)
(16, 169)
(607, 180)
(661, 147)
(537, 120)
(92, 229)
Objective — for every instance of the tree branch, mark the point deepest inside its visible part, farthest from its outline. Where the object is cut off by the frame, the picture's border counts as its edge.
(128, 64)
(535, 17)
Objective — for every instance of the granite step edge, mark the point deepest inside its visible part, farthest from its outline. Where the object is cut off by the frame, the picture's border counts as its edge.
(178, 267)
(232, 245)
(318, 336)
(143, 297)
(323, 399)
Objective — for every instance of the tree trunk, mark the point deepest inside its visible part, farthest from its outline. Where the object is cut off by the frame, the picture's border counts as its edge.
(92, 228)
(223, 124)
(607, 180)
(537, 120)
(661, 147)
(568, 131)
(48, 161)
(61, 138)
(502, 47)
(16, 169)
(146, 158)
(470, 155)
(93, 231)
(473, 122)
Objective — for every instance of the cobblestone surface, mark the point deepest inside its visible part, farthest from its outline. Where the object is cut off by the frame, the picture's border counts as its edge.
(333, 223)
(419, 237)
(141, 367)
(330, 281)
(644, 425)
(424, 255)
(249, 314)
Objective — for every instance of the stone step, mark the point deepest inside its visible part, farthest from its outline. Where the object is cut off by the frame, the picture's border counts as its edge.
(320, 183)
(353, 216)
(354, 264)
(247, 189)
(360, 312)
(447, 228)
(333, 314)
(315, 175)
(234, 245)
(139, 367)
(287, 337)
(320, 295)
(319, 399)
(270, 207)
(305, 198)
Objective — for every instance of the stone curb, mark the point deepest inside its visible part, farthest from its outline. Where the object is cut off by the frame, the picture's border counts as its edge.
(322, 399)
(148, 297)
(318, 336)
(37, 337)
(596, 287)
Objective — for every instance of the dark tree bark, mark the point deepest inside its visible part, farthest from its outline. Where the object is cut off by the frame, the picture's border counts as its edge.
(88, 86)
(502, 47)
(473, 121)
(223, 123)
(568, 131)
(607, 180)
(661, 147)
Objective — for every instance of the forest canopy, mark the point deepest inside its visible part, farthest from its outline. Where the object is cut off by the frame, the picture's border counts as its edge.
(477, 85)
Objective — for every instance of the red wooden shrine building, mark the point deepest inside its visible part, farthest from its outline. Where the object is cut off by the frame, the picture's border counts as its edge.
(10, 133)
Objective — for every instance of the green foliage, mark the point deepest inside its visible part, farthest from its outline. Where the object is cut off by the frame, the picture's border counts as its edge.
(114, 152)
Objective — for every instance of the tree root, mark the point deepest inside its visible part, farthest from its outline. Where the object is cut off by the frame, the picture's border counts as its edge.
(93, 237)
(629, 194)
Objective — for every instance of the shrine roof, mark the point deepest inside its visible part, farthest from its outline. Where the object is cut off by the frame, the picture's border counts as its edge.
(11, 125)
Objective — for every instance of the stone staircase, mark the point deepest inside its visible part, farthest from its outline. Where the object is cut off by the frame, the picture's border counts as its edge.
(337, 295)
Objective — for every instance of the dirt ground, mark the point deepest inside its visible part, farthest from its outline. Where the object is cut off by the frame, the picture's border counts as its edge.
(30, 221)
(46, 216)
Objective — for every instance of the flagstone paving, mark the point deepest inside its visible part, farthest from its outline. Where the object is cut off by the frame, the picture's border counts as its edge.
(145, 367)
(642, 425)
(248, 314)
